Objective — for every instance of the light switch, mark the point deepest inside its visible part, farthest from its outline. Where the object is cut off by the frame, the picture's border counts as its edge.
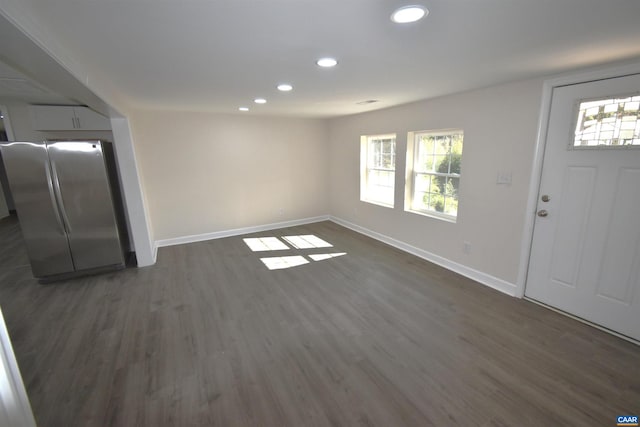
(504, 178)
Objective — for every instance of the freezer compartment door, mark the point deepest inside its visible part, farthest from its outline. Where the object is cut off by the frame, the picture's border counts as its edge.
(83, 187)
(29, 174)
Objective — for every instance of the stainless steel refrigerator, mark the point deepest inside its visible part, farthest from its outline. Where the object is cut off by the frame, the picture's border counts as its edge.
(68, 203)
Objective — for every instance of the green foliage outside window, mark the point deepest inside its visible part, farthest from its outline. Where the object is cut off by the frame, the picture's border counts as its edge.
(439, 167)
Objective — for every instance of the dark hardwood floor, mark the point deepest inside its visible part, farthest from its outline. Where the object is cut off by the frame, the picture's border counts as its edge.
(210, 337)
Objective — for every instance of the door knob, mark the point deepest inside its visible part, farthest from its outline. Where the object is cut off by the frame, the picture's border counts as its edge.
(542, 213)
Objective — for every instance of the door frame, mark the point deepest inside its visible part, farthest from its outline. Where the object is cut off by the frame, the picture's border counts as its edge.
(4, 111)
(548, 86)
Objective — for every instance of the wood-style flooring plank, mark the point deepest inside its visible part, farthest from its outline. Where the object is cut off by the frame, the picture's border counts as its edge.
(209, 336)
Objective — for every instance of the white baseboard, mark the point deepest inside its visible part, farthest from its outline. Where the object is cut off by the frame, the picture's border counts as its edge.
(154, 252)
(480, 277)
(236, 232)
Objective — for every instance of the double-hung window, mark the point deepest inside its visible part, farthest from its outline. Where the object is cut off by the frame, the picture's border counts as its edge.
(377, 169)
(434, 165)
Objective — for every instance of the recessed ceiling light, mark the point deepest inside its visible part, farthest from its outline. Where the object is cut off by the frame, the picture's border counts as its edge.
(327, 62)
(243, 109)
(408, 14)
(284, 87)
(260, 101)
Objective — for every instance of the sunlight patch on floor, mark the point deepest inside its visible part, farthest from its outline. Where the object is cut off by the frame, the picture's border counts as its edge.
(259, 244)
(322, 257)
(303, 241)
(282, 262)
(307, 241)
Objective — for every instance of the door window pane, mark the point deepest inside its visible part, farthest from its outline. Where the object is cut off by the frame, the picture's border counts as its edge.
(608, 122)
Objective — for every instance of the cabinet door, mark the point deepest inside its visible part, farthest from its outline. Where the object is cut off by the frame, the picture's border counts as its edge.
(87, 119)
(60, 117)
(45, 117)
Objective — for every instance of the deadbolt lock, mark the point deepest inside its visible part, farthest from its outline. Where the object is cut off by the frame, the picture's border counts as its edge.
(545, 198)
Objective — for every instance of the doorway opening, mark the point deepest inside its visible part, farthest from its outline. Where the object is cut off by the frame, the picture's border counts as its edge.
(6, 198)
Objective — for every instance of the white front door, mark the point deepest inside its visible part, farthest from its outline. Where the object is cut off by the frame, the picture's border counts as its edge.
(585, 254)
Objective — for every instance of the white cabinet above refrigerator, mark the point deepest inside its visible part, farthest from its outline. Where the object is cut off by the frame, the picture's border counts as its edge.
(67, 117)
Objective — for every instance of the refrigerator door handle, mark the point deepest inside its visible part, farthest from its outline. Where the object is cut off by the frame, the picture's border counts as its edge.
(58, 196)
(52, 196)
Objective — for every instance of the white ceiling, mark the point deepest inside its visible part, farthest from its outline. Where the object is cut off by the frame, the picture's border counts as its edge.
(217, 55)
(16, 85)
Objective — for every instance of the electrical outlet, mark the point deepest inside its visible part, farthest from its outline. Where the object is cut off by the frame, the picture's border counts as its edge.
(466, 247)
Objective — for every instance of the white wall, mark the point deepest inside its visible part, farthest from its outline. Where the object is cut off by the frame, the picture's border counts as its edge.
(134, 196)
(500, 125)
(205, 172)
(15, 409)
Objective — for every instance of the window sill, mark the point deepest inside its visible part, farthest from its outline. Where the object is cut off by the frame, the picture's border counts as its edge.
(373, 202)
(434, 215)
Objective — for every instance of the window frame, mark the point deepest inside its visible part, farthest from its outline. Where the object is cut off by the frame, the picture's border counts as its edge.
(365, 169)
(413, 146)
